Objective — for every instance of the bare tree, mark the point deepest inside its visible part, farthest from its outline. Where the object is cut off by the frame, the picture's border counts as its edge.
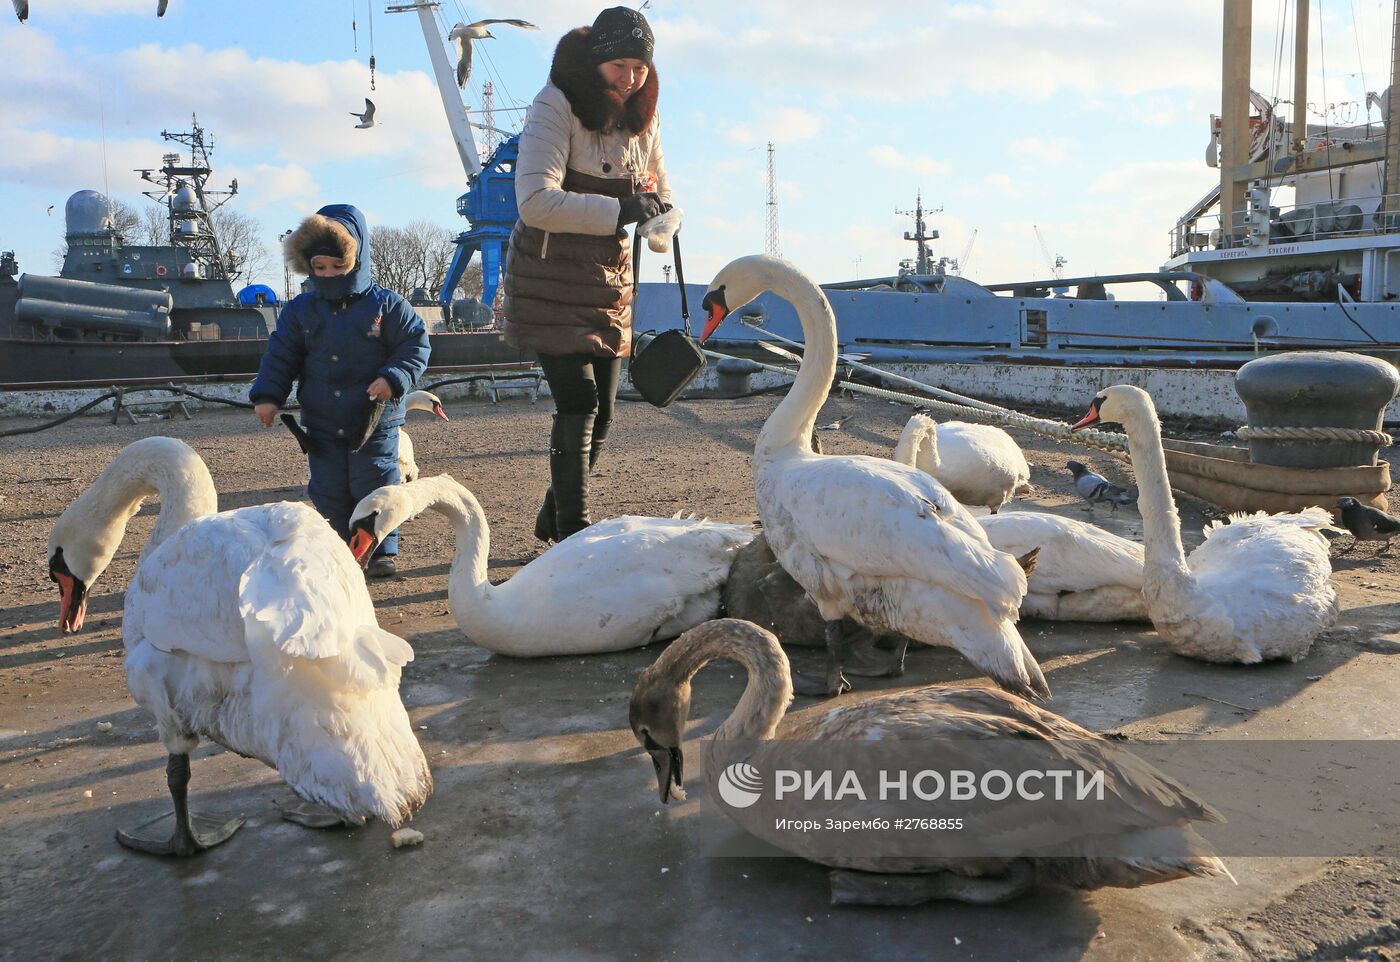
(154, 229)
(241, 239)
(125, 219)
(416, 255)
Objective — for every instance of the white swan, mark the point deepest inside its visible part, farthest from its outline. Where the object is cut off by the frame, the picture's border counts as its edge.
(1083, 573)
(617, 584)
(416, 401)
(977, 463)
(1257, 588)
(1140, 834)
(252, 628)
(868, 538)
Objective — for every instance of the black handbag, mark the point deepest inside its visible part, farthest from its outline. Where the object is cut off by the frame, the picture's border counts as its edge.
(666, 365)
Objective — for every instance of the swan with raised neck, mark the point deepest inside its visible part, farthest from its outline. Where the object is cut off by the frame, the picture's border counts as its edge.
(1257, 588)
(867, 538)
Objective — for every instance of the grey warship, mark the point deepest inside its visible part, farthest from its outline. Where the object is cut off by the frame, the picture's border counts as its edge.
(119, 313)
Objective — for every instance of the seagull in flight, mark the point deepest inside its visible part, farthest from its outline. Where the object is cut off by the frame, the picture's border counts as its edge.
(366, 118)
(21, 9)
(464, 33)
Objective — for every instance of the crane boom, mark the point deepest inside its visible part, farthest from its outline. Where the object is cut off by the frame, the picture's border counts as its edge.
(446, 77)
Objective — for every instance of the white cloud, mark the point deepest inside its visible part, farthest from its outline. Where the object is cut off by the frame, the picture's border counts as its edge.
(1036, 150)
(781, 125)
(884, 155)
(1003, 184)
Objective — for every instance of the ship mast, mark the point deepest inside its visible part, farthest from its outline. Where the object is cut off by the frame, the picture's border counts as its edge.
(1236, 169)
(190, 203)
(923, 263)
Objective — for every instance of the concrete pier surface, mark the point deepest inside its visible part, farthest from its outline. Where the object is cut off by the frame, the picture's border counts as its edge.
(543, 838)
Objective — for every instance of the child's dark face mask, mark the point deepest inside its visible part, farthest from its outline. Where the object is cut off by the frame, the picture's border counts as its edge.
(335, 288)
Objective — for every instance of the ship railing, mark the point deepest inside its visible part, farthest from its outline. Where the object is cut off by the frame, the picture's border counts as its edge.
(1373, 215)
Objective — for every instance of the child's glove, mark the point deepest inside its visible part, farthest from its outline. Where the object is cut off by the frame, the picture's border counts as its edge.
(637, 208)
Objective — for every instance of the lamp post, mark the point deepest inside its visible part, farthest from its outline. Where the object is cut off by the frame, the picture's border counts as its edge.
(286, 273)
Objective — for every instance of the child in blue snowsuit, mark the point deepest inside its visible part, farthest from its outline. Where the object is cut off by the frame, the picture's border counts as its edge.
(348, 344)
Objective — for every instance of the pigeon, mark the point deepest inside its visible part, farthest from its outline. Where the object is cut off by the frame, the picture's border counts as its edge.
(835, 425)
(21, 9)
(464, 33)
(366, 118)
(160, 7)
(1096, 489)
(1367, 523)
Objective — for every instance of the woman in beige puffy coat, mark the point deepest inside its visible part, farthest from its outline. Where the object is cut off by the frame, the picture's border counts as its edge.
(590, 164)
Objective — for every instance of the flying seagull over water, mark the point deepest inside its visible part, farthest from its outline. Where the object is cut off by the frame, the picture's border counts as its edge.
(21, 9)
(464, 33)
(366, 118)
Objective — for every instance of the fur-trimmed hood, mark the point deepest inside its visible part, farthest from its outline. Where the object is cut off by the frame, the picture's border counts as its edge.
(596, 105)
(342, 227)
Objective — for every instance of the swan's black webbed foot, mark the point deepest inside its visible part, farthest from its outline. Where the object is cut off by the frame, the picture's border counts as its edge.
(191, 832)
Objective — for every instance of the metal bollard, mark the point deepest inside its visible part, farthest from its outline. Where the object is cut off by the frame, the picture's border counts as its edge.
(1324, 389)
(735, 376)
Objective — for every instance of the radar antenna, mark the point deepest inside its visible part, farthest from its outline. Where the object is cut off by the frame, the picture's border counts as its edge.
(189, 203)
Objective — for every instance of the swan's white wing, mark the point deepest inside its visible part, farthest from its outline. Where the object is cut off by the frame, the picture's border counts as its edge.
(306, 596)
(1074, 555)
(612, 586)
(877, 518)
(184, 597)
(1271, 583)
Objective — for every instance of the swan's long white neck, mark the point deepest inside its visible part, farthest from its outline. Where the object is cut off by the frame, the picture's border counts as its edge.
(152, 467)
(790, 425)
(918, 444)
(1161, 524)
(469, 561)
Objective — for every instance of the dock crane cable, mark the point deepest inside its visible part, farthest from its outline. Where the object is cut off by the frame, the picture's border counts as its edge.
(370, 6)
(354, 27)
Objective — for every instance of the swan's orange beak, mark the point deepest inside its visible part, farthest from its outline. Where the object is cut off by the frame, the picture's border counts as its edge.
(1091, 418)
(362, 539)
(72, 604)
(716, 310)
(437, 409)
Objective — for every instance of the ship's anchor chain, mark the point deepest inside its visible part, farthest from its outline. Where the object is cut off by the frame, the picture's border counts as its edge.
(1318, 435)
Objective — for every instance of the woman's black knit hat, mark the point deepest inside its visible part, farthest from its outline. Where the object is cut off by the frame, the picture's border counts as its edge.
(621, 32)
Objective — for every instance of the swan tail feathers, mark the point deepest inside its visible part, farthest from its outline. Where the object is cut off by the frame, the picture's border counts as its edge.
(352, 751)
(1011, 665)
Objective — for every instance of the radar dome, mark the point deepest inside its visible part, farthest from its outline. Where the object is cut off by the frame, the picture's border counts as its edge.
(184, 200)
(87, 213)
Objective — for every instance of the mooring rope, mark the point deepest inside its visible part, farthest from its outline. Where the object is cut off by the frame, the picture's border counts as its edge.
(1358, 435)
(990, 413)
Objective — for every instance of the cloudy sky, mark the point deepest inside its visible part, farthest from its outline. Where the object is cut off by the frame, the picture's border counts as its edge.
(1089, 120)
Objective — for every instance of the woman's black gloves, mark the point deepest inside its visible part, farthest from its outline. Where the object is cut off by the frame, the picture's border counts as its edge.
(638, 208)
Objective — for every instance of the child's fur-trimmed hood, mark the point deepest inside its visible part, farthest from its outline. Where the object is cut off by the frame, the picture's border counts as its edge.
(319, 231)
(597, 106)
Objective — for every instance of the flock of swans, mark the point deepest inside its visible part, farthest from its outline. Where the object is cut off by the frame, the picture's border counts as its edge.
(253, 627)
